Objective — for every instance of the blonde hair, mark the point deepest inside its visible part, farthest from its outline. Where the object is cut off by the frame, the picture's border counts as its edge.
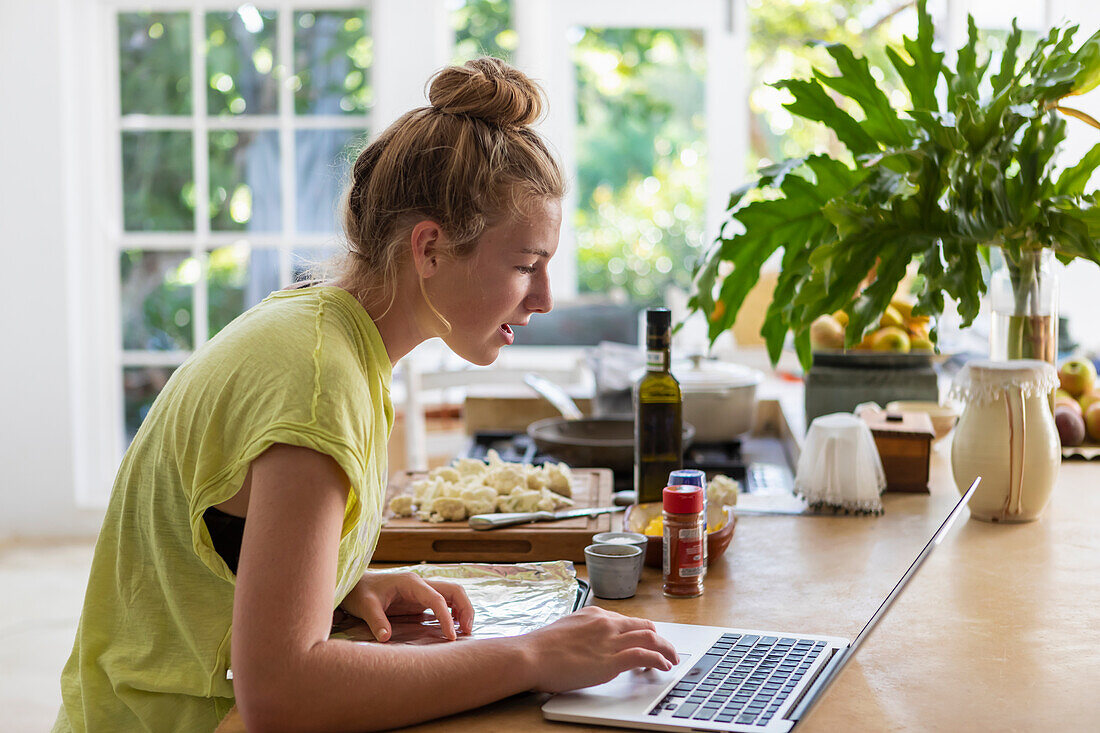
(466, 162)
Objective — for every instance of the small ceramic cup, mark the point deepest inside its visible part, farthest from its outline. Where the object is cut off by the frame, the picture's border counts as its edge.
(624, 538)
(612, 570)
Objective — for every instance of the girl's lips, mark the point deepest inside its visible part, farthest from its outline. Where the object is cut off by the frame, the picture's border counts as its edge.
(509, 336)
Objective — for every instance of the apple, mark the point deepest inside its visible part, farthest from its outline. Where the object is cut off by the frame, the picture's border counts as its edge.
(1077, 376)
(1087, 399)
(921, 343)
(891, 317)
(1092, 421)
(1068, 402)
(890, 338)
(903, 306)
(1062, 393)
(826, 333)
(1071, 426)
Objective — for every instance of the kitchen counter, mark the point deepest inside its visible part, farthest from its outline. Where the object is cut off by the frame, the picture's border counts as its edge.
(995, 633)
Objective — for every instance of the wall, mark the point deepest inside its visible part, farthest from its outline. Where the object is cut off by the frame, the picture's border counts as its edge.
(36, 430)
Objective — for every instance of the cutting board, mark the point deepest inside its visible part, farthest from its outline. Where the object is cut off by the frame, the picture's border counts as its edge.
(407, 539)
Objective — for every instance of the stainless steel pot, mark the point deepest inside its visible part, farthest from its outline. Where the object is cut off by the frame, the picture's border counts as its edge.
(719, 397)
(591, 441)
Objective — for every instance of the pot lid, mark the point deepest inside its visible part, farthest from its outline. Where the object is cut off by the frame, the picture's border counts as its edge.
(697, 374)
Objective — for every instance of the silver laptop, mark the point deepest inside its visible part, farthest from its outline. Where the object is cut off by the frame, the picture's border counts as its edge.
(731, 679)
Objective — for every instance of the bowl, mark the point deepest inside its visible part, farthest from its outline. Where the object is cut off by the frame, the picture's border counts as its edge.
(639, 515)
(943, 417)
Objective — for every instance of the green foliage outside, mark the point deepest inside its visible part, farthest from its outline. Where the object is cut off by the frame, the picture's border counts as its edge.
(483, 28)
(966, 164)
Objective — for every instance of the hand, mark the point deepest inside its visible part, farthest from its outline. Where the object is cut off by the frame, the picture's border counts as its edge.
(379, 595)
(592, 646)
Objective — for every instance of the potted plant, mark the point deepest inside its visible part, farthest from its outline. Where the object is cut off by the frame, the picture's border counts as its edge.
(967, 166)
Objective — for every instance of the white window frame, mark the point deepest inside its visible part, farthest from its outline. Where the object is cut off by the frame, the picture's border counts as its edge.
(544, 53)
(412, 39)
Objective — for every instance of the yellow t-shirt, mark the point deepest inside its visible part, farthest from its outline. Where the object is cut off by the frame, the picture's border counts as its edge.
(304, 367)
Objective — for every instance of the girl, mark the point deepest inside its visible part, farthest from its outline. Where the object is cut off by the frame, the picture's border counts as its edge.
(248, 505)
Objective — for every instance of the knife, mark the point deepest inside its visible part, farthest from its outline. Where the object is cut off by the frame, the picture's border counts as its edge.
(492, 521)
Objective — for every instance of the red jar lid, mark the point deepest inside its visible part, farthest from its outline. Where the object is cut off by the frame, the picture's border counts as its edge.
(683, 499)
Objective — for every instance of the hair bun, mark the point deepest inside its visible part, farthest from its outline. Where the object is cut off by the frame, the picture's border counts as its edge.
(488, 89)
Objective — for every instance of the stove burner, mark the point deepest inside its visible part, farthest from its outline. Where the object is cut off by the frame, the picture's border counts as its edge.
(713, 458)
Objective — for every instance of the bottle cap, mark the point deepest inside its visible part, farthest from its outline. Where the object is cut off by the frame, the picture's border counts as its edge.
(658, 321)
(687, 477)
(683, 499)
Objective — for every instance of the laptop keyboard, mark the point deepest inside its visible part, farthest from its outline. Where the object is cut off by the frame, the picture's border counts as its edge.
(742, 678)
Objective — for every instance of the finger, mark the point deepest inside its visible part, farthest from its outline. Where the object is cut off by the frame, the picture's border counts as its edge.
(461, 607)
(636, 657)
(375, 617)
(432, 599)
(651, 641)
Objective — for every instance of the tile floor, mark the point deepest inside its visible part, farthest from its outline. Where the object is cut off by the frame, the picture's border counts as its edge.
(41, 591)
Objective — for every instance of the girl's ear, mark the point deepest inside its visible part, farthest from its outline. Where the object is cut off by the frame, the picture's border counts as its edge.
(426, 240)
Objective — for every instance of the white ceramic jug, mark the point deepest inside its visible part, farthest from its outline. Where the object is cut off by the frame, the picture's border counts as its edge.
(1006, 435)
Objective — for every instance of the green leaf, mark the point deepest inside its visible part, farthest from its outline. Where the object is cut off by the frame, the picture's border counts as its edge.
(1073, 180)
(922, 76)
(813, 103)
(855, 81)
(1088, 58)
(1007, 72)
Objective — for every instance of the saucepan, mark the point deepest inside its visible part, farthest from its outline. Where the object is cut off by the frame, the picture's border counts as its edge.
(585, 441)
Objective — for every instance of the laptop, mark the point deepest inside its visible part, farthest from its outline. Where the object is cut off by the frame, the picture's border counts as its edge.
(731, 679)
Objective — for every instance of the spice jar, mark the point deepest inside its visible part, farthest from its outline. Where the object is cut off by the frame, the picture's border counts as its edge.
(685, 525)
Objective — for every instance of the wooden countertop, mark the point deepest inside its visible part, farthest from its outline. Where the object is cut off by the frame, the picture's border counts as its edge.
(995, 633)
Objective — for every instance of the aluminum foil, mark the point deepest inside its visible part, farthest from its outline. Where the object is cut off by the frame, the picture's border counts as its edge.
(508, 600)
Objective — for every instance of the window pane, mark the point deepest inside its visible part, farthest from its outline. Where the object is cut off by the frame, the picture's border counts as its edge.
(324, 159)
(140, 386)
(244, 181)
(641, 156)
(239, 277)
(158, 190)
(483, 28)
(240, 59)
(314, 263)
(156, 300)
(154, 63)
(333, 52)
(788, 38)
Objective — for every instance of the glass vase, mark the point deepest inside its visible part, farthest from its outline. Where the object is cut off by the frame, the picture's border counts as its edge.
(1024, 303)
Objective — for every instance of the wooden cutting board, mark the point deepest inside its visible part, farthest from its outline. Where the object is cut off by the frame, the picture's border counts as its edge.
(407, 539)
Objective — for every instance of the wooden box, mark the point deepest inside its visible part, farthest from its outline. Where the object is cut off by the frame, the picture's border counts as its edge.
(904, 442)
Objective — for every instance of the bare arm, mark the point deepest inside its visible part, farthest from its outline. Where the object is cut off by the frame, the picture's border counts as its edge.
(289, 676)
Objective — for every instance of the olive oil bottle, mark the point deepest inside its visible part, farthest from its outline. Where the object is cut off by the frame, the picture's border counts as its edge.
(658, 412)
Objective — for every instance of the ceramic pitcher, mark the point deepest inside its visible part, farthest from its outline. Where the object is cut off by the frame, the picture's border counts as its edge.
(1006, 435)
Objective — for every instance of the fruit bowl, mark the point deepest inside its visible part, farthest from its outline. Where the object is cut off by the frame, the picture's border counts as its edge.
(639, 515)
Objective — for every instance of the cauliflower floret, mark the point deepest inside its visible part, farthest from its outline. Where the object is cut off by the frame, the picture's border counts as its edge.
(470, 467)
(520, 500)
(448, 508)
(445, 473)
(479, 506)
(506, 477)
(560, 478)
(558, 500)
(425, 490)
(537, 480)
(402, 506)
(479, 493)
(722, 491)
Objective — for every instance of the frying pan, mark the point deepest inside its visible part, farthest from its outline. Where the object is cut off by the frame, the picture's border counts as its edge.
(591, 441)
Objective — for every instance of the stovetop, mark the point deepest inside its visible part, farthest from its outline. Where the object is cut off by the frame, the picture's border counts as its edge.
(713, 458)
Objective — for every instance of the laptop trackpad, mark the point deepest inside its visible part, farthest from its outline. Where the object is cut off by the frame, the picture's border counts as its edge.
(626, 692)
